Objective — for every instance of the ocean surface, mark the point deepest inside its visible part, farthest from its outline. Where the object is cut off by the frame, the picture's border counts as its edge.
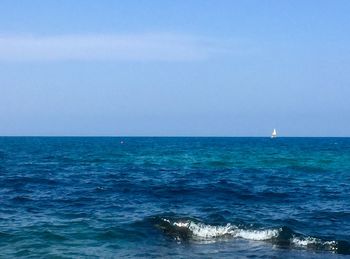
(174, 197)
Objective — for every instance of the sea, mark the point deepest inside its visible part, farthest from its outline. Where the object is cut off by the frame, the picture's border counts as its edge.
(174, 197)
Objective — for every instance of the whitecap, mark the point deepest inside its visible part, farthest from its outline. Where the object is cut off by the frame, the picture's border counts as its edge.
(205, 231)
(186, 228)
(313, 242)
(258, 235)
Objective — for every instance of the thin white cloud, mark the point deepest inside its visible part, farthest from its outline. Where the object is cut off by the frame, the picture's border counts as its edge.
(137, 47)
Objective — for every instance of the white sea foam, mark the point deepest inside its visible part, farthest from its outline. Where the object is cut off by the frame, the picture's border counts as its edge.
(166, 220)
(304, 241)
(200, 230)
(257, 234)
(312, 241)
(208, 233)
(182, 224)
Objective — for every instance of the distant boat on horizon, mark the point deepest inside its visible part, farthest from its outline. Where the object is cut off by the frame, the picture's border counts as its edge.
(274, 133)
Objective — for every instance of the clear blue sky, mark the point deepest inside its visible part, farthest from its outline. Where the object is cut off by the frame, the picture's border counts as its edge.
(174, 68)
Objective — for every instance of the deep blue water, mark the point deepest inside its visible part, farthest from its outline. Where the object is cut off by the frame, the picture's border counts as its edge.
(175, 197)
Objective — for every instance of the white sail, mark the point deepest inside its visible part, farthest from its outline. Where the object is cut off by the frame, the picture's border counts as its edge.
(274, 133)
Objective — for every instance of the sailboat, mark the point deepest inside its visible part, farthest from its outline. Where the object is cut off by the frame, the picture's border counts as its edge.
(274, 133)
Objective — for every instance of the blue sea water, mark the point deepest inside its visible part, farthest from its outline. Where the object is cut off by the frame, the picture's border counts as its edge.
(174, 197)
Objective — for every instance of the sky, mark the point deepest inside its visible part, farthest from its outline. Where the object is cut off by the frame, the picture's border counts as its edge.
(174, 68)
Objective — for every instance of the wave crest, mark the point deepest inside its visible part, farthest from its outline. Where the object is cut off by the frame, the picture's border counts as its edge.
(198, 230)
(188, 229)
(313, 242)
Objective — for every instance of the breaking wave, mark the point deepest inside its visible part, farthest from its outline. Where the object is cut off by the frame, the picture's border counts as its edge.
(184, 229)
(203, 231)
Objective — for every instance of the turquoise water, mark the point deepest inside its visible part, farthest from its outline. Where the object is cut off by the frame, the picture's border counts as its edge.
(174, 197)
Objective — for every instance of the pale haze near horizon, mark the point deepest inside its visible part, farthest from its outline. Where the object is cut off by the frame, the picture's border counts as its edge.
(174, 68)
